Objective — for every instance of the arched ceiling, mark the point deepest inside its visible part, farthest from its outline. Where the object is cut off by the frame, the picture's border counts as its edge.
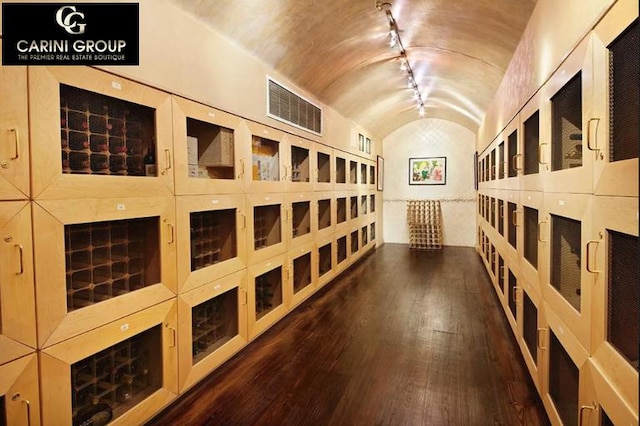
(339, 51)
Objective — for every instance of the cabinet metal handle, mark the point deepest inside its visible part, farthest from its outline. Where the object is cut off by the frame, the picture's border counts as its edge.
(514, 294)
(16, 135)
(171, 233)
(588, 263)
(540, 233)
(592, 407)
(244, 221)
(174, 339)
(538, 339)
(594, 148)
(167, 159)
(501, 274)
(540, 152)
(20, 258)
(15, 397)
(514, 160)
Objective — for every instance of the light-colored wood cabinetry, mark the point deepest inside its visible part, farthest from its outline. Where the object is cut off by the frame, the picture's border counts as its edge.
(269, 294)
(211, 238)
(301, 162)
(92, 133)
(267, 226)
(266, 150)
(131, 365)
(302, 273)
(19, 392)
(14, 134)
(112, 257)
(325, 172)
(212, 326)
(17, 302)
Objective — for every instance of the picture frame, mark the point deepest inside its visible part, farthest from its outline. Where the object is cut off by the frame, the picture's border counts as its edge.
(428, 171)
(380, 174)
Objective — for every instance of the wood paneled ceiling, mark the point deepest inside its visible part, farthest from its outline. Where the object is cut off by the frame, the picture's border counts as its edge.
(339, 51)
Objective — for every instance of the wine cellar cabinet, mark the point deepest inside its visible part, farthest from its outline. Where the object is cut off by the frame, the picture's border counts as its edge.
(266, 152)
(19, 394)
(14, 134)
(301, 162)
(568, 238)
(269, 294)
(302, 274)
(212, 327)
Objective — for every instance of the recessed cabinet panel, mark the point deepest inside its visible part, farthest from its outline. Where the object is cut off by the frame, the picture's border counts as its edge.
(266, 225)
(266, 150)
(14, 134)
(207, 149)
(325, 171)
(124, 371)
(301, 164)
(567, 286)
(303, 276)
(211, 236)
(95, 130)
(115, 257)
(17, 298)
(213, 326)
(326, 260)
(570, 152)
(612, 260)
(19, 394)
(269, 294)
(616, 40)
(303, 218)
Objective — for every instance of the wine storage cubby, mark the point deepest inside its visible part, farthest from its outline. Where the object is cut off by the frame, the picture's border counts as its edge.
(531, 142)
(512, 295)
(615, 43)
(363, 204)
(123, 371)
(213, 324)
(372, 176)
(372, 231)
(300, 167)
(211, 236)
(207, 156)
(536, 138)
(19, 394)
(341, 247)
(341, 170)
(324, 167)
(14, 134)
(365, 236)
(341, 210)
(353, 207)
(110, 259)
(372, 204)
(512, 217)
(363, 174)
(512, 144)
(265, 159)
(566, 259)
(266, 226)
(353, 172)
(530, 326)
(269, 293)
(530, 231)
(105, 136)
(501, 217)
(301, 272)
(566, 135)
(324, 213)
(118, 258)
(324, 259)
(267, 221)
(301, 218)
(492, 165)
(17, 297)
(325, 172)
(355, 242)
(212, 327)
(95, 126)
(563, 381)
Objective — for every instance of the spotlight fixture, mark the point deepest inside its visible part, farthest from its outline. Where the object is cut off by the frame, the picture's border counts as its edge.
(395, 42)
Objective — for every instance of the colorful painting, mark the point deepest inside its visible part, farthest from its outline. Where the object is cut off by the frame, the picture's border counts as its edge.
(428, 171)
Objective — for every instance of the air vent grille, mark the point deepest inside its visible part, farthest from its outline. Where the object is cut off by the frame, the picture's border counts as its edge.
(290, 108)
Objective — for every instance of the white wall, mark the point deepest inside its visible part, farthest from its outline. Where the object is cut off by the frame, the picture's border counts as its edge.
(430, 138)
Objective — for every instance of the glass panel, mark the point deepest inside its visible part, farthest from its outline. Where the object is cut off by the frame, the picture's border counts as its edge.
(363, 174)
(531, 142)
(299, 164)
(106, 136)
(624, 94)
(268, 292)
(501, 217)
(341, 170)
(265, 159)
(354, 207)
(210, 150)
(353, 172)
(324, 214)
(301, 218)
(513, 152)
(563, 382)
(109, 383)
(266, 226)
(341, 210)
(342, 249)
(213, 237)
(354, 242)
(623, 307)
(511, 295)
(501, 161)
(511, 229)
(109, 259)
(324, 264)
(530, 326)
(372, 231)
(566, 258)
(213, 323)
(324, 167)
(301, 272)
(372, 175)
(566, 120)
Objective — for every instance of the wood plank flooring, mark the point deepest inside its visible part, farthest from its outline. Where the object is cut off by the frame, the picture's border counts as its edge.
(402, 338)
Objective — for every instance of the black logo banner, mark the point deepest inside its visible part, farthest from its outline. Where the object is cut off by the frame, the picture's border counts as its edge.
(70, 34)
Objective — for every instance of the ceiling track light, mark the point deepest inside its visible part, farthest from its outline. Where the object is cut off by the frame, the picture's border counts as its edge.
(395, 42)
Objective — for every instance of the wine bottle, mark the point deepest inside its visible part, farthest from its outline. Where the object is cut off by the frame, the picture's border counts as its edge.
(95, 415)
(149, 161)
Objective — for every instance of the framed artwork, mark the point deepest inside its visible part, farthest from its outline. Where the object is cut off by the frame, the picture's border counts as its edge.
(380, 177)
(428, 171)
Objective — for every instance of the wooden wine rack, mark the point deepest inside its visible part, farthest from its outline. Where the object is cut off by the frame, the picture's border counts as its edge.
(106, 259)
(425, 224)
(116, 376)
(212, 237)
(268, 292)
(103, 135)
(214, 323)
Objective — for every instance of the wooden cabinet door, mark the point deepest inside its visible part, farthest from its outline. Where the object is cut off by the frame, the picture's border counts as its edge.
(17, 296)
(302, 273)
(93, 90)
(14, 134)
(534, 142)
(265, 151)
(268, 293)
(300, 164)
(19, 391)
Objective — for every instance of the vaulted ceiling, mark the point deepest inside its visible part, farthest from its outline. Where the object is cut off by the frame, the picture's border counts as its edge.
(339, 51)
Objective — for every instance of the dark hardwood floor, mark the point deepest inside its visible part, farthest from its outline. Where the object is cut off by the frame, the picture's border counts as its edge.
(403, 338)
